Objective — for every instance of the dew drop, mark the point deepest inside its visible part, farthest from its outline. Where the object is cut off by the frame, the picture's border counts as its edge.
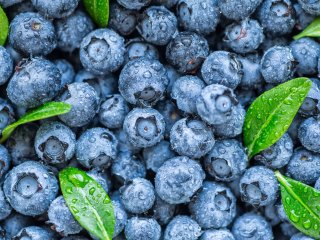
(294, 217)
(307, 224)
(92, 190)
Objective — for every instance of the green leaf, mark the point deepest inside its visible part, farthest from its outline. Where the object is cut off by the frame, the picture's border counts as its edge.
(98, 10)
(47, 110)
(313, 30)
(301, 204)
(4, 27)
(88, 202)
(271, 114)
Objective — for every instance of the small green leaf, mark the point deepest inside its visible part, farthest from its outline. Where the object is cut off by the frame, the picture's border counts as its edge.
(88, 202)
(313, 30)
(47, 110)
(271, 114)
(98, 10)
(4, 27)
(301, 204)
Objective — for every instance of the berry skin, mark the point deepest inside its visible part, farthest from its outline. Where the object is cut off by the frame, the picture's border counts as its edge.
(32, 34)
(182, 228)
(5, 208)
(226, 161)
(259, 186)
(113, 111)
(303, 17)
(101, 177)
(124, 145)
(134, 4)
(122, 20)
(277, 65)
(201, 17)
(96, 147)
(222, 67)
(144, 127)
(311, 104)
(138, 228)
(187, 51)
(252, 226)
(34, 233)
(157, 25)
(66, 71)
(303, 166)
(311, 7)
(276, 17)
(163, 212)
(38, 81)
(244, 37)
(120, 217)
(102, 51)
(137, 196)
(219, 234)
(317, 184)
(151, 78)
(309, 134)
(278, 155)
(61, 218)
(214, 206)
(5, 161)
(71, 30)
(238, 9)
(191, 137)
(14, 223)
(306, 52)
(215, 104)
(55, 9)
(30, 188)
(178, 179)
(84, 101)
(6, 65)
(55, 143)
(8, 3)
(185, 91)
(156, 155)
(300, 236)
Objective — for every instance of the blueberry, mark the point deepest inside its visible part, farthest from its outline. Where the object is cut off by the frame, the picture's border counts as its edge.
(187, 51)
(252, 226)
(7, 114)
(127, 167)
(30, 33)
(317, 184)
(134, 4)
(151, 78)
(96, 147)
(55, 9)
(120, 217)
(172, 75)
(123, 143)
(244, 37)
(310, 6)
(182, 228)
(259, 186)
(306, 52)
(5, 208)
(138, 228)
(8, 3)
(309, 134)
(277, 65)
(277, 17)
(34, 233)
(102, 51)
(37, 81)
(6, 65)
(185, 91)
(71, 30)
(293, 129)
(144, 127)
(219, 234)
(215, 104)
(311, 104)
(121, 19)
(66, 71)
(214, 206)
(156, 155)
(101, 177)
(30, 188)
(55, 143)
(300, 236)
(303, 166)
(137, 196)
(178, 179)
(113, 111)
(201, 17)
(238, 9)
(166, 3)
(226, 161)
(223, 68)
(271, 214)
(303, 18)
(61, 218)
(5, 161)
(270, 42)
(191, 137)
(84, 101)
(288, 229)
(14, 223)
(163, 212)
(278, 155)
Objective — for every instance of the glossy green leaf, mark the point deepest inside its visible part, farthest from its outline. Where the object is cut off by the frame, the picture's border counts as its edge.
(301, 204)
(313, 30)
(4, 27)
(98, 10)
(271, 114)
(88, 202)
(47, 110)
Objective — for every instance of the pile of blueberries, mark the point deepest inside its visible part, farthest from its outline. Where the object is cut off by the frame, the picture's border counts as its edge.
(158, 102)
